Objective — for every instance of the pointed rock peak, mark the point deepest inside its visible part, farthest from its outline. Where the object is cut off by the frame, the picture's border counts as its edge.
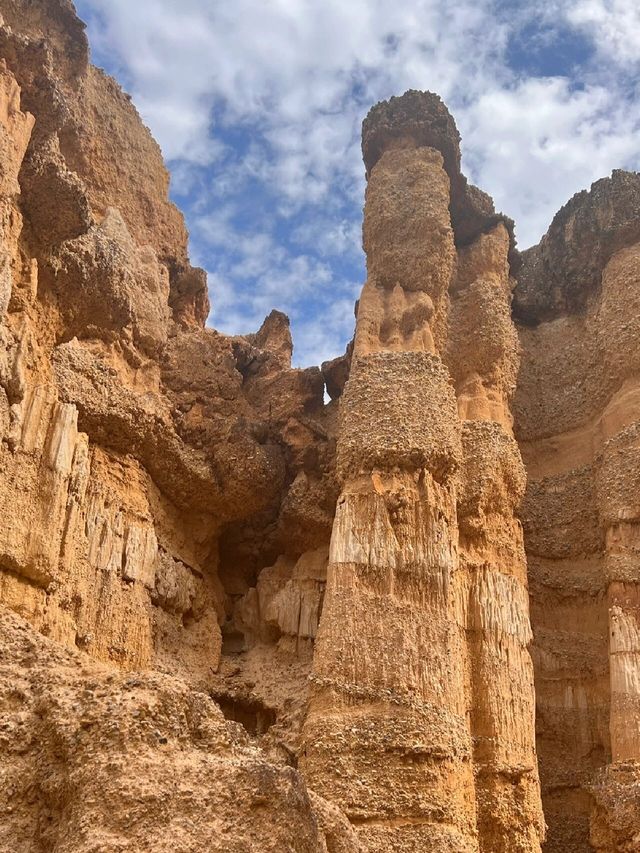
(274, 336)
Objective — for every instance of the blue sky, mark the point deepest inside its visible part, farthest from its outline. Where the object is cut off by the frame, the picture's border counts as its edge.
(257, 105)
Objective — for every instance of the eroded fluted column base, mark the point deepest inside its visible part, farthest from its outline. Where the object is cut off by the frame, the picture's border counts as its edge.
(387, 734)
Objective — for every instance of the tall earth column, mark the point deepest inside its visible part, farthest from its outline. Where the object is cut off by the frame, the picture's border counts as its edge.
(402, 729)
(483, 359)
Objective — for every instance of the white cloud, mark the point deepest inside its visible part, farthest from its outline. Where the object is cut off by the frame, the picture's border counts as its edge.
(330, 236)
(316, 342)
(279, 279)
(258, 108)
(542, 142)
(614, 25)
(288, 70)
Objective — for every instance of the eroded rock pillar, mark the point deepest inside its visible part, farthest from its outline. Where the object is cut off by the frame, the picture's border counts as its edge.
(421, 722)
(483, 358)
(615, 817)
(387, 733)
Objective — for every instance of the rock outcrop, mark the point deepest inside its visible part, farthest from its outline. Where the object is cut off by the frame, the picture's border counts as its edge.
(234, 617)
(149, 469)
(421, 721)
(577, 421)
(96, 759)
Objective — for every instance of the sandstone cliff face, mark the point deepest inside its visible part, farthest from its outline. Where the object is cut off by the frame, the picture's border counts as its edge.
(149, 469)
(272, 623)
(577, 420)
(133, 439)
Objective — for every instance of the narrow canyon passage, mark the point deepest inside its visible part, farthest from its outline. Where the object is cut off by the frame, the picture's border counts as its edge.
(386, 604)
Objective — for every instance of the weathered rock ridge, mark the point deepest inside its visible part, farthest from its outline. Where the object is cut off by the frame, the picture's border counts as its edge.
(236, 618)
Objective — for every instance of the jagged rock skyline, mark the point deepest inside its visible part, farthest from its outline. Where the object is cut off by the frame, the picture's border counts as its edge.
(259, 113)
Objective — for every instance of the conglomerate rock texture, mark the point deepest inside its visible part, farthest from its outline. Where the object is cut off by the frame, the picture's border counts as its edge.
(234, 617)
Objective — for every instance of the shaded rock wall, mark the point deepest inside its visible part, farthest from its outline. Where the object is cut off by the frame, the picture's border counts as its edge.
(577, 421)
